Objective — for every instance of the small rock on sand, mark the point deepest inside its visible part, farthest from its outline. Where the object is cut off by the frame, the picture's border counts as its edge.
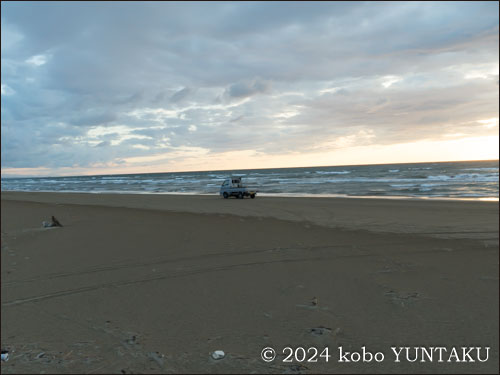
(318, 331)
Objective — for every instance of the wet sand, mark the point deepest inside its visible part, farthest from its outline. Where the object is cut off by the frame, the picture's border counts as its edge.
(154, 284)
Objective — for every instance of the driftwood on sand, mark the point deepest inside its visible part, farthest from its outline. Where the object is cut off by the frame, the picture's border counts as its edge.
(55, 222)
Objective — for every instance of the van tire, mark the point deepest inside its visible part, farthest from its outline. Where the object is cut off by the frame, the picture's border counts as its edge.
(225, 195)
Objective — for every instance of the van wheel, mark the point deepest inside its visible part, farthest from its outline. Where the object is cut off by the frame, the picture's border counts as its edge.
(225, 195)
(252, 196)
(240, 196)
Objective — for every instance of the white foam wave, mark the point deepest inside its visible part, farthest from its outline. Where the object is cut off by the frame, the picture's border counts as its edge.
(333, 172)
(476, 177)
(480, 169)
(403, 185)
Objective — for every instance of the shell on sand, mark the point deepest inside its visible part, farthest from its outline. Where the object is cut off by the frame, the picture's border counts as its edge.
(218, 354)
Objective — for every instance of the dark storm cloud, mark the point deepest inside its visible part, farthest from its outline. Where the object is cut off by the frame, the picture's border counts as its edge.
(94, 82)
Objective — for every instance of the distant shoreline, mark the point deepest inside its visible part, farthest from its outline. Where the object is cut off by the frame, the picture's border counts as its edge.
(270, 195)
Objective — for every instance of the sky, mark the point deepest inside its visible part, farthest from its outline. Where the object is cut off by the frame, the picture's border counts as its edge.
(143, 87)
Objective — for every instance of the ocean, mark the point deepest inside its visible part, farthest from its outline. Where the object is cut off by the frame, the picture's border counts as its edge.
(457, 180)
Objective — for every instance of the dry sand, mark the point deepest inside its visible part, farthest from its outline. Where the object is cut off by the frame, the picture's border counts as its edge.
(155, 283)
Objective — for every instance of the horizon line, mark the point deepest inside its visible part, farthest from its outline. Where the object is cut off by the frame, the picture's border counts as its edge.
(250, 169)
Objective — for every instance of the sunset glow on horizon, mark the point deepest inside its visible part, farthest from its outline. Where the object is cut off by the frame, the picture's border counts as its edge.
(468, 149)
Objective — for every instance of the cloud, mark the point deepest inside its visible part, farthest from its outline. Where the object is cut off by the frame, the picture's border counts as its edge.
(246, 89)
(11, 36)
(93, 117)
(37, 60)
(6, 90)
(266, 77)
(180, 95)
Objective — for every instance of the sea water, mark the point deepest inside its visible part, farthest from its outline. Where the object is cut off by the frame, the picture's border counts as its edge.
(459, 180)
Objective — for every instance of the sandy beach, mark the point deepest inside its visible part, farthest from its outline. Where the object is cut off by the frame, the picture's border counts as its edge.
(156, 283)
